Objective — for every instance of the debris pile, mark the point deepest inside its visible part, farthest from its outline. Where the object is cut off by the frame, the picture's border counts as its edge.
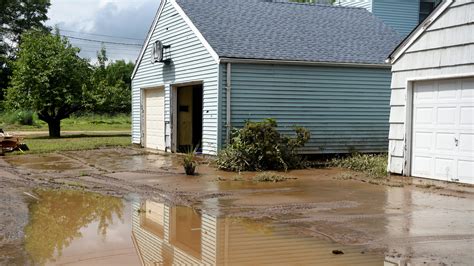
(10, 143)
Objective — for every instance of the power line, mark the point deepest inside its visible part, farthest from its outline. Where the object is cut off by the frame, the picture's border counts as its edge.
(102, 35)
(101, 41)
(108, 52)
(108, 47)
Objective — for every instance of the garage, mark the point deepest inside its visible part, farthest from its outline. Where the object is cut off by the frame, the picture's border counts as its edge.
(443, 130)
(154, 108)
(432, 102)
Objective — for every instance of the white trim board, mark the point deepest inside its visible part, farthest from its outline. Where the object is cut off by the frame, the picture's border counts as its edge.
(148, 38)
(188, 22)
(195, 30)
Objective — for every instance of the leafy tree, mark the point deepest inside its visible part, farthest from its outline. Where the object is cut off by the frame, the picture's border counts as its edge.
(49, 78)
(111, 86)
(16, 17)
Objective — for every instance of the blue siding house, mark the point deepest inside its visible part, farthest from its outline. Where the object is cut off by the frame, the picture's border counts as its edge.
(402, 15)
(209, 65)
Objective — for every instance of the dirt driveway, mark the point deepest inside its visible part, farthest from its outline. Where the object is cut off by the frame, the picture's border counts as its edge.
(400, 221)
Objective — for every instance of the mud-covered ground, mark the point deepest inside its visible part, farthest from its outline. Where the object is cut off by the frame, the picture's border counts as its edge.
(405, 219)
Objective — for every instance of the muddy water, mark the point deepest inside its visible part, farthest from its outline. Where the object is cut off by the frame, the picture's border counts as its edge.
(79, 228)
(407, 224)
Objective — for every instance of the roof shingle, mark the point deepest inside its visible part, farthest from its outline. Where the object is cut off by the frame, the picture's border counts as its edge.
(258, 29)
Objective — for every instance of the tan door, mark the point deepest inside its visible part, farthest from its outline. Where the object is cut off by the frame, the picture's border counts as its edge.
(155, 119)
(185, 116)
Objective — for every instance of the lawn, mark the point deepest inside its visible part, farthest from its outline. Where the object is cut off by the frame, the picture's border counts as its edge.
(75, 142)
(87, 123)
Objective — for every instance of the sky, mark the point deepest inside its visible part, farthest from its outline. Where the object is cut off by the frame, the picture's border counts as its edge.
(123, 21)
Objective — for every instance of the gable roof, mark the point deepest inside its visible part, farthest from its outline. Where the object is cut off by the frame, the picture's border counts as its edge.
(265, 30)
(418, 31)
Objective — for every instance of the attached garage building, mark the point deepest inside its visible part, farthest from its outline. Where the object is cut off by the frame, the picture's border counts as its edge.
(432, 102)
(209, 65)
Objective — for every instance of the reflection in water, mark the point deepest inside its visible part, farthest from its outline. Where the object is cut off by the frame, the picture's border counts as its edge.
(57, 218)
(78, 228)
(165, 235)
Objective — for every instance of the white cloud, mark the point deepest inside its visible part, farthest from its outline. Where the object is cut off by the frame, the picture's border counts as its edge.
(122, 18)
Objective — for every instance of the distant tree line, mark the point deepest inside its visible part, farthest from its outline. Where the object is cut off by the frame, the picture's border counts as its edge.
(41, 71)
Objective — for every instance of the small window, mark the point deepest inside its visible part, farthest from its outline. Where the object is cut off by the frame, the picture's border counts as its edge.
(426, 7)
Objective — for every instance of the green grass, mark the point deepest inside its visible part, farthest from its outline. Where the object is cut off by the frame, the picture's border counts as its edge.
(73, 143)
(375, 165)
(88, 122)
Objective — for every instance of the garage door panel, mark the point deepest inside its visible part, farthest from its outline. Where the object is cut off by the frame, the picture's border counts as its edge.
(424, 141)
(465, 171)
(422, 166)
(424, 116)
(155, 118)
(466, 142)
(445, 142)
(446, 116)
(446, 92)
(425, 92)
(443, 130)
(467, 116)
(445, 168)
(467, 88)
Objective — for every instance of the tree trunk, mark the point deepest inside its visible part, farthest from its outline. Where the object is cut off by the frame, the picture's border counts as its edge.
(54, 128)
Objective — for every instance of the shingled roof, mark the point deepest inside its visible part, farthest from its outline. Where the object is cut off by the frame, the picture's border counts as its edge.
(259, 29)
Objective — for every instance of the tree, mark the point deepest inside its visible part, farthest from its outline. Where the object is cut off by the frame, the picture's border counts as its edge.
(110, 86)
(16, 17)
(49, 78)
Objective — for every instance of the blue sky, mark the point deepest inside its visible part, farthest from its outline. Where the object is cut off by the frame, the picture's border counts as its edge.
(127, 20)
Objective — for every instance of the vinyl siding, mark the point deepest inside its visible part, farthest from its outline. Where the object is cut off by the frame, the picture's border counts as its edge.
(444, 49)
(401, 15)
(346, 109)
(190, 62)
(367, 4)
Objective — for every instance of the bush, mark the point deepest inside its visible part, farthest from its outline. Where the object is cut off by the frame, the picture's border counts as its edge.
(23, 117)
(258, 146)
(371, 164)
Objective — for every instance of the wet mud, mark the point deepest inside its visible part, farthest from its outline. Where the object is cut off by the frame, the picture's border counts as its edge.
(397, 220)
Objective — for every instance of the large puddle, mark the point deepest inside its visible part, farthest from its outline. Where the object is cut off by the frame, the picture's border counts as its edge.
(79, 228)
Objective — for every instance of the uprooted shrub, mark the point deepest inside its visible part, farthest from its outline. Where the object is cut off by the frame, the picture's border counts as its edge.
(258, 146)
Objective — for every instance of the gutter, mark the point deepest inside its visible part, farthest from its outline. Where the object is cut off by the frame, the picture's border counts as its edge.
(292, 62)
(228, 99)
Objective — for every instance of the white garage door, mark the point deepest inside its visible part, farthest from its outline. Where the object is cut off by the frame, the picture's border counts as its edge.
(155, 119)
(443, 130)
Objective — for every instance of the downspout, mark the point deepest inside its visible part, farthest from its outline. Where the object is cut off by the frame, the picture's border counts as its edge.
(228, 110)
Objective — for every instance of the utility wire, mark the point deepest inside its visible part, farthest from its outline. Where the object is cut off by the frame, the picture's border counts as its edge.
(100, 41)
(102, 35)
(107, 46)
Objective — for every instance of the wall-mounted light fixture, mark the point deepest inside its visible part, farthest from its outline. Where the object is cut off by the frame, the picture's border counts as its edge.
(161, 53)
